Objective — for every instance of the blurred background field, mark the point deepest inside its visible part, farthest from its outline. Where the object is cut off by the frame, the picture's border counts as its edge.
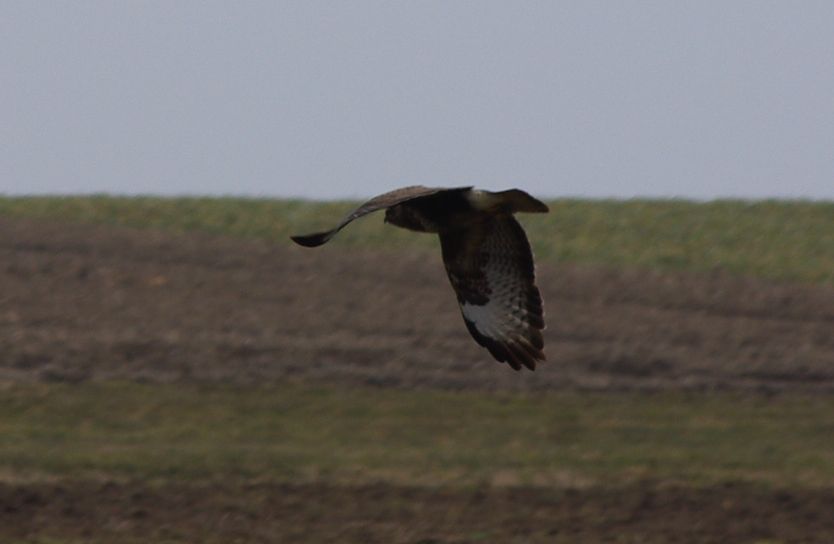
(126, 431)
(788, 240)
(175, 370)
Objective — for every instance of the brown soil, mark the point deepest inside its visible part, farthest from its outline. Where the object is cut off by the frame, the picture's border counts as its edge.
(644, 513)
(80, 302)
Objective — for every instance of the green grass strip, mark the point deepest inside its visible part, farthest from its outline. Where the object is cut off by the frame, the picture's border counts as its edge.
(782, 240)
(298, 433)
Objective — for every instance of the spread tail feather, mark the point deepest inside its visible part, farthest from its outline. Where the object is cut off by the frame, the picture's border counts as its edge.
(519, 201)
(512, 201)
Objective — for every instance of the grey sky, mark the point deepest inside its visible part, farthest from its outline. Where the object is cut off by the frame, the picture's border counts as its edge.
(346, 99)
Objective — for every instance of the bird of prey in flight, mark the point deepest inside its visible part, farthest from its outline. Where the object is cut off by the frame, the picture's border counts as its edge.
(487, 257)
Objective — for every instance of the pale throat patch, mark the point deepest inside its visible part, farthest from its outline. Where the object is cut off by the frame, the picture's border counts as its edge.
(481, 200)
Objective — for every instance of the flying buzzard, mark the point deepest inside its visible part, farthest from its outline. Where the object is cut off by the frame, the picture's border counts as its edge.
(487, 258)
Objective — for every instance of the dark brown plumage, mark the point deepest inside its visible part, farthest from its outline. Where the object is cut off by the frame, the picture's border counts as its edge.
(487, 258)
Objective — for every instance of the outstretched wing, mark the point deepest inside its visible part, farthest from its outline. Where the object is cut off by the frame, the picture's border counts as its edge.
(385, 200)
(490, 265)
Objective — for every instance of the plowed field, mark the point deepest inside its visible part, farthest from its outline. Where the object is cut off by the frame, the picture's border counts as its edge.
(90, 303)
(82, 303)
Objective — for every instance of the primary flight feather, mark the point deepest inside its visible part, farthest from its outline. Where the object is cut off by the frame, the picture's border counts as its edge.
(487, 258)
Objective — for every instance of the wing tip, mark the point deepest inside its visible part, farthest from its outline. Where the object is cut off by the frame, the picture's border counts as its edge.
(518, 358)
(517, 354)
(311, 240)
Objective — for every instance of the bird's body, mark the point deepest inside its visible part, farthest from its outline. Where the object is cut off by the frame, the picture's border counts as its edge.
(486, 255)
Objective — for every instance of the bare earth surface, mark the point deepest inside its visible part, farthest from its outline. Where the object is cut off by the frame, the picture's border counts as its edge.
(111, 512)
(82, 303)
(87, 303)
